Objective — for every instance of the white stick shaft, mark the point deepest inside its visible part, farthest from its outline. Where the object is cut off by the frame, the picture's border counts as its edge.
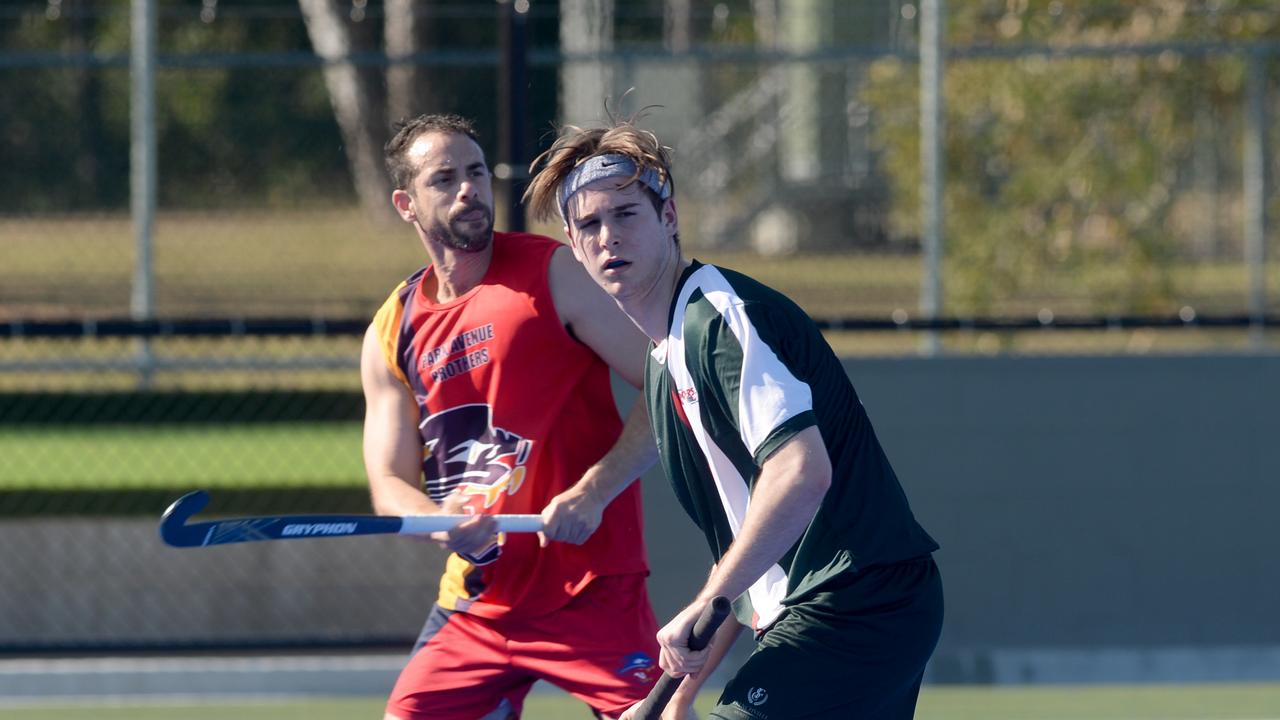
(424, 524)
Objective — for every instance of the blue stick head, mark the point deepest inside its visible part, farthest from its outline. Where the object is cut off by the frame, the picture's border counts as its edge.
(173, 524)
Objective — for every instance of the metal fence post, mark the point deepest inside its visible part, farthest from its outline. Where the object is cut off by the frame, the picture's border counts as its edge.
(931, 162)
(142, 168)
(513, 99)
(1255, 162)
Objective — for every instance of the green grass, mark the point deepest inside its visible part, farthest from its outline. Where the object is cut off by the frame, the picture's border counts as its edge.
(1102, 702)
(39, 355)
(333, 262)
(937, 702)
(208, 456)
(336, 262)
(324, 262)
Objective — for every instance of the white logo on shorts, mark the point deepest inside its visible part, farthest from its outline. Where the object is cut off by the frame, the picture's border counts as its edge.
(757, 696)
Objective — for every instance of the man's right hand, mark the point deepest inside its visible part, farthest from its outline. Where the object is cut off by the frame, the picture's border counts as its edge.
(471, 537)
(572, 517)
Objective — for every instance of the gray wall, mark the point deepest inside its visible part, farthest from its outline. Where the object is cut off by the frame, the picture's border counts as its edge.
(1100, 519)
(1098, 516)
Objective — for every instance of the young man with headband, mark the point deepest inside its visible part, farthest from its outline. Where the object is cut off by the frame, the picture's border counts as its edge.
(486, 375)
(767, 448)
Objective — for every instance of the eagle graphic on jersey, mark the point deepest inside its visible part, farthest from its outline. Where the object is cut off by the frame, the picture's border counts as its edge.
(462, 451)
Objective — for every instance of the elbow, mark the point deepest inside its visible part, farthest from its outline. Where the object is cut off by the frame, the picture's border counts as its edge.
(386, 494)
(379, 501)
(818, 478)
(819, 485)
(383, 507)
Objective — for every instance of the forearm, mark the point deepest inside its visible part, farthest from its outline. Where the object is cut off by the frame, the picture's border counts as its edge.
(391, 464)
(765, 537)
(785, 499)
(632, 454)
(390, 446)
(392, 495)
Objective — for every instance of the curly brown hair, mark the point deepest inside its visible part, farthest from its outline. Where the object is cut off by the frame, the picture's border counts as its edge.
(575, 145)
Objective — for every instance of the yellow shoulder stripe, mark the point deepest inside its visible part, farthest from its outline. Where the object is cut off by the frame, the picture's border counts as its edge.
(387, 324)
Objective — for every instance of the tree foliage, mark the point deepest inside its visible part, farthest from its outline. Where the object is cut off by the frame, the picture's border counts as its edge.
(227, 135)
(242, 111)
(1088, 167)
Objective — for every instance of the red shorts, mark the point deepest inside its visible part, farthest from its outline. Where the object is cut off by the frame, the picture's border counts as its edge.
(601, 648)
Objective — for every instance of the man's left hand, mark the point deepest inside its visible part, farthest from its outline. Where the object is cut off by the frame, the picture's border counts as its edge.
(572, 517)
(675, 657)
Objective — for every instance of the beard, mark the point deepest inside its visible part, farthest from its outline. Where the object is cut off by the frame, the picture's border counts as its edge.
(462, 234)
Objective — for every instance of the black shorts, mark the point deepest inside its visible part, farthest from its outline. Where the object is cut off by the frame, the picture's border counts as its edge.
(854, 651)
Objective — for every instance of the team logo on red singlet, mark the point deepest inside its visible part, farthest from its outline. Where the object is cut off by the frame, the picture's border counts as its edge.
(462, 451)
(637, 666)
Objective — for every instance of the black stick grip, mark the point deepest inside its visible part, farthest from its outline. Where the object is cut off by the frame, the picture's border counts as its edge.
(703, 630)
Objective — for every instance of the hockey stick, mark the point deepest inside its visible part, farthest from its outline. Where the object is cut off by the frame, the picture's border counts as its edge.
(176, 531)
(703, 630)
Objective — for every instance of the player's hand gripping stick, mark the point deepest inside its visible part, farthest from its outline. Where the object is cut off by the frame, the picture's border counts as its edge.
(703, 630)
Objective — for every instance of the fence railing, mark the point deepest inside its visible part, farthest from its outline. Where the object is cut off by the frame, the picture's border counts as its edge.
(782, 150)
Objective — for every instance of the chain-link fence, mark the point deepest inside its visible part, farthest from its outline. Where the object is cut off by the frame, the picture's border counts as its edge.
(1108, 189)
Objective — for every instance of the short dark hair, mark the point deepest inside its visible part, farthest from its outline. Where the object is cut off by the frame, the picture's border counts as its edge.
(395, 152)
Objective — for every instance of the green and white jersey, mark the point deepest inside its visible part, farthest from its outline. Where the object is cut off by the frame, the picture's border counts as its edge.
(742, 370)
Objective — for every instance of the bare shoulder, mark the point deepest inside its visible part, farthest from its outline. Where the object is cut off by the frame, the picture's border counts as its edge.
(572, 289)
(375, 375)
(594, 318)
(370, 348)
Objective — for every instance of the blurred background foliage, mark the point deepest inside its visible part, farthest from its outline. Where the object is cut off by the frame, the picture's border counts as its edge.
(1109, 167)
(1093, 149)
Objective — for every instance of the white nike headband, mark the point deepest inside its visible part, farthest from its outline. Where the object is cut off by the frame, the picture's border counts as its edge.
(599, 167)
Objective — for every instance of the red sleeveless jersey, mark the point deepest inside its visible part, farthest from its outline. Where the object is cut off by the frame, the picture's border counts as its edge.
(512, 411)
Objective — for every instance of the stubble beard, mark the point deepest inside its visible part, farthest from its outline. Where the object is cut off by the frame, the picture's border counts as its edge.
(458, 235)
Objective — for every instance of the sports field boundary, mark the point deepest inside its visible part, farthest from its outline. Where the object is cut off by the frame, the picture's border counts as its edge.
(24, 680)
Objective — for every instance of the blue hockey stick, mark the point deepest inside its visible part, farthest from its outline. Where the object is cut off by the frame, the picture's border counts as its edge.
(176, 531)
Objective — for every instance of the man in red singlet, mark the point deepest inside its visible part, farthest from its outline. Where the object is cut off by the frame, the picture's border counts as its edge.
(486, 377)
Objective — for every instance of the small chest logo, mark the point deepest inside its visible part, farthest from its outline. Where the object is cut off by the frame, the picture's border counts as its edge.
(757, 696)
(688, 396)
(638, 666)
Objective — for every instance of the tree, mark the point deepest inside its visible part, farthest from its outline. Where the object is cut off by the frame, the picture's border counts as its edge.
(409, 88)
(355, 105)
(1079, 170)
(586, 27)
